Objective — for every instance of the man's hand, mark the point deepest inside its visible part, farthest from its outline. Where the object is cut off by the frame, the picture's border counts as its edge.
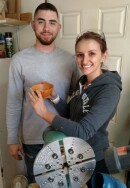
(16, 151)
(53, 95)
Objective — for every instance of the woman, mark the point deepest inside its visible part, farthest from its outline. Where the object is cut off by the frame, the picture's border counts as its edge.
(94, 100)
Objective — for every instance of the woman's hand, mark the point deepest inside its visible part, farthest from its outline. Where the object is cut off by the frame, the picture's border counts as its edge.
(37, 102)
(39, 106)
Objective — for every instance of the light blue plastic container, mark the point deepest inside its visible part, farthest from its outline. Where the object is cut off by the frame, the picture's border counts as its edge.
(102, 180)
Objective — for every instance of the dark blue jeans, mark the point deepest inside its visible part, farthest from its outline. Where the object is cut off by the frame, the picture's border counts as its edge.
(31, 152)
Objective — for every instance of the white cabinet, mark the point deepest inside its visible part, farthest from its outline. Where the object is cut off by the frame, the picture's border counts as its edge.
(4, 66)
(9, 167)
(1, 173)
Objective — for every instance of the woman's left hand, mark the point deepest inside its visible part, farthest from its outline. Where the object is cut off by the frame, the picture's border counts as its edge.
(37, 102)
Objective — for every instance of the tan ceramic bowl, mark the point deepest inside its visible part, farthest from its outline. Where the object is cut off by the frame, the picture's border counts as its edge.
(44, 88)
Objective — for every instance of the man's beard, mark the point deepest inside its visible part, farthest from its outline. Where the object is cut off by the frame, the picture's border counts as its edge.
(46, 42)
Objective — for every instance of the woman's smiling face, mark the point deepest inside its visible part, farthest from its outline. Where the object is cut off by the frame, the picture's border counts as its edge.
(89, 57)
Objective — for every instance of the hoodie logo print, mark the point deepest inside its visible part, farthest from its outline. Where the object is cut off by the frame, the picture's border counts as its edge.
(75, 94)
(85, 102)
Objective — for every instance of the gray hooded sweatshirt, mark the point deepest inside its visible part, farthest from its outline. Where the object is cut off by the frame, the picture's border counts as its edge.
(90, 111)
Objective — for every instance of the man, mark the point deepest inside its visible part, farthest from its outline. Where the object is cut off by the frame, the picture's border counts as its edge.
(42, 62)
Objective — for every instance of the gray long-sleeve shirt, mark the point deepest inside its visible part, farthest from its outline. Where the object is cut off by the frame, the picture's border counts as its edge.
(27, 68)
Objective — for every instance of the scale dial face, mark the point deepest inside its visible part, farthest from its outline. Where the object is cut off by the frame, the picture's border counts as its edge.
(68, 166)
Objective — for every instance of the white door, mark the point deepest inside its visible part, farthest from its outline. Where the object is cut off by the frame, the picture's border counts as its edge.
(113, 18)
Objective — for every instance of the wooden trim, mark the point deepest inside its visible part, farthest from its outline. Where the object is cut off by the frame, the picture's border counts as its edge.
(12, 22)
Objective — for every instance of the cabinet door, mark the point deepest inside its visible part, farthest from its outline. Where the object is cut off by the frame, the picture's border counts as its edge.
(1, 175)
(10, 166)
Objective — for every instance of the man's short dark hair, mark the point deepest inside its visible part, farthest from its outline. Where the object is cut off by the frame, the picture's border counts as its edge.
(46, 6)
